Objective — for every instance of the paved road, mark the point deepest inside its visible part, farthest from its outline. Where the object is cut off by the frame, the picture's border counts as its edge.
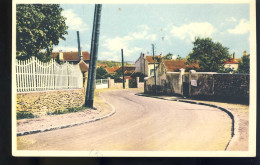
(142, 124)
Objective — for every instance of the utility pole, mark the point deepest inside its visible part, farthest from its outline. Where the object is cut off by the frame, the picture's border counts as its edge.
(154, 69)
(123, 69)
(93, 57)
(79, 49)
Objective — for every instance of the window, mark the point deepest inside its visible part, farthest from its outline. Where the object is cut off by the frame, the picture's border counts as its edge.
(151, 72)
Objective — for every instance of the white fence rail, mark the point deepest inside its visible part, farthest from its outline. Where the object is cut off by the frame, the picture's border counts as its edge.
(101, 83)
(34, 75)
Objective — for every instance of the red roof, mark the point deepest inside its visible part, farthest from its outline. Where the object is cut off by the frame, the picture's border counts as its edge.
(72, 56)
(231, 61)
(176, 65)
(128, 69)
(149, 59)
(111, 70)
(83, 66)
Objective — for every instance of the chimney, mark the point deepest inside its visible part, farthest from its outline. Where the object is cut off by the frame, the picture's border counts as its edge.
(244, 53)
(234, 56)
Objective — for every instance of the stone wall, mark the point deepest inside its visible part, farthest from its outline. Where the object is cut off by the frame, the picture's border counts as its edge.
(112, 84)
(232, 87)
(40, 103)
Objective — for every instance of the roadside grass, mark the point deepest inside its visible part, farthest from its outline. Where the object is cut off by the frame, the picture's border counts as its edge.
(25, 115)
(68, 110)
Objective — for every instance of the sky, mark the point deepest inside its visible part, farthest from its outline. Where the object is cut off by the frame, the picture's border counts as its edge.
(171, 27)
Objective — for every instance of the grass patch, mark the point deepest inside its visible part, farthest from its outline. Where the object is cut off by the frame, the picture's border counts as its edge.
(68, 110)
(24, 115)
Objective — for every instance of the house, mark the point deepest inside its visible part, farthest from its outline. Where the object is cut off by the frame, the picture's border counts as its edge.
(71, 57)
(145, 64)
(232, 63)
(174, 66)
(128, 70)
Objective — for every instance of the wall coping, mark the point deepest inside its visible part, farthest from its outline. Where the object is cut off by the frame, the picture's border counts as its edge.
(44, 91)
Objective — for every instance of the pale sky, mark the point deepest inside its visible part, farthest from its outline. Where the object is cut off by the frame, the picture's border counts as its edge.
(171, 27)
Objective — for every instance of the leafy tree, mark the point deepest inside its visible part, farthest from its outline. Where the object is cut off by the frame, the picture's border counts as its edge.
(117, 75)
(168, 56)
(101, 73)
(209, 55)
(38, 28)
(244, 65)
(178, 57)
(140, 75)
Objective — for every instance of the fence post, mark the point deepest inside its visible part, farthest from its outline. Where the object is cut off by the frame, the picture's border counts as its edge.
(34, 76)
(181, 80)
(137, 82)
(190, 73)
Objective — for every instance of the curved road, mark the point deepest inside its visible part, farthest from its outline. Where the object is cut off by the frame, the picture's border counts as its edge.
(142, 124)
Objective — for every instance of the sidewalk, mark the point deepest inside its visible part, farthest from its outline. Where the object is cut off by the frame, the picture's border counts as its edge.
(239, 113)
(52, 122)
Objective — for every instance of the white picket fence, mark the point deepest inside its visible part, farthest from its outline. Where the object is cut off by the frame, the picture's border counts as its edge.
(34, 75)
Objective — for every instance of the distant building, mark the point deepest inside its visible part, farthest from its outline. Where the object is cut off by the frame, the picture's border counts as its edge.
(145, 64)
(71, 57)
(232, 63)
(128, 70)
(112, 70)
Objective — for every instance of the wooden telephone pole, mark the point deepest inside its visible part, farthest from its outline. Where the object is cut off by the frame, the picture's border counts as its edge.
(123, 69)
(154, 69)
(89, 99)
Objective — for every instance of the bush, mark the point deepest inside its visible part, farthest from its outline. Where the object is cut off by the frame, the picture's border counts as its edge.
(24, 115)
(68, 110)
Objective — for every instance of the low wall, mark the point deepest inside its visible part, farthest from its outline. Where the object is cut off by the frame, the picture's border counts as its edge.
(112, 84)
(208, 85)
(231, 87)
(41, 102)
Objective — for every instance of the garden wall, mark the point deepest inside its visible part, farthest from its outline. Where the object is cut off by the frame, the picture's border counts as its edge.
(42, 102)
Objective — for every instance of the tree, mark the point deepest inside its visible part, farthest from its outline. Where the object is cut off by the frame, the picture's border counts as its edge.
(168, 56)
(244, 65)
(38, 28)
(209, 55)
(101, 73)
(178, 57)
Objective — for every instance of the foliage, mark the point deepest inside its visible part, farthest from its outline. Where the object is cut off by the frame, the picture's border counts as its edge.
(24, 114)
(244, 65)
(168, 56)
(209, 55)
(68, 110)
(113, 63)
(178, 57)
(117, 75)
(38, 28)
(101, 73)
(140, 75)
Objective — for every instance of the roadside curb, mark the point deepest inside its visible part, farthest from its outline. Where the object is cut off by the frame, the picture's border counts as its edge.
(70, 125)
(234, 128)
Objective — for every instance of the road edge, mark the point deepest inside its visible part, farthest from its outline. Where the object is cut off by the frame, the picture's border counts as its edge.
(234, 117)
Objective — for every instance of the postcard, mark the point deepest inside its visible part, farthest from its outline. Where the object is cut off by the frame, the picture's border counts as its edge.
(134, 78)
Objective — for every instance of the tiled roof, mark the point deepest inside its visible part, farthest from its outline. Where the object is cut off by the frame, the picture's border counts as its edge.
(149, 59)
(128, 69)
(175, 65)
(231, 61)
(83, 66)
(73, 56)
(111, 70)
